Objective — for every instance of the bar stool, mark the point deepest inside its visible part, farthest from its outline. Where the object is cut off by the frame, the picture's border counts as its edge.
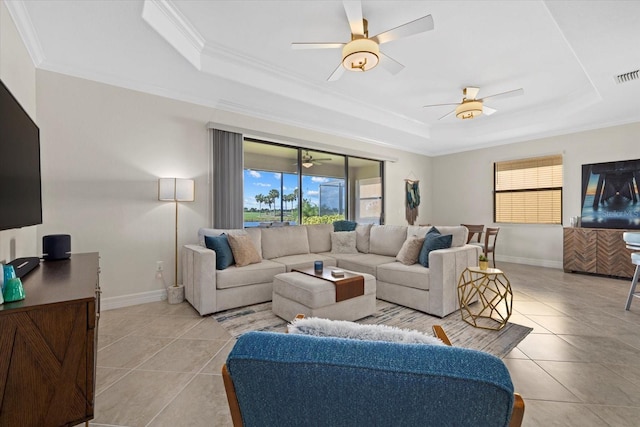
(633, 242)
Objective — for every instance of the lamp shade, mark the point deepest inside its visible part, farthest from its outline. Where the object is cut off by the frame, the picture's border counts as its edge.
(176, 190)
(360, 55)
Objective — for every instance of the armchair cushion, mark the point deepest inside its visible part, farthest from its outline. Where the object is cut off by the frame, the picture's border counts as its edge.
(343, 382)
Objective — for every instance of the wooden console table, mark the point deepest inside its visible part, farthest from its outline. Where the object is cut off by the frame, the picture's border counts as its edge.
(596, 250)
(48, 345)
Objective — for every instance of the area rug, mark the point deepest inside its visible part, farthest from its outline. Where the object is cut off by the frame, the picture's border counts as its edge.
(259, 317)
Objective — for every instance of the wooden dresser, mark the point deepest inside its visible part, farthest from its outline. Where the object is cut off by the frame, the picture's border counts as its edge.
(596, 250)
(48, 345)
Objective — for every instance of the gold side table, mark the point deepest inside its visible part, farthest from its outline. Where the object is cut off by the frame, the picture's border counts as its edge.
(485, 297)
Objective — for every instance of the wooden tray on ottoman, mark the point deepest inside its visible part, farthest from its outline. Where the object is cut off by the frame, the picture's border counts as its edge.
(351, 285)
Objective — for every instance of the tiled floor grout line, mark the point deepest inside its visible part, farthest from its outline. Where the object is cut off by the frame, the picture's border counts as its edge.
(144, 361)
(189, 382)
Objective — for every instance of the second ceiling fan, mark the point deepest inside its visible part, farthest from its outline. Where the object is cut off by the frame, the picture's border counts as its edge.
(471, 106)
(363, 53)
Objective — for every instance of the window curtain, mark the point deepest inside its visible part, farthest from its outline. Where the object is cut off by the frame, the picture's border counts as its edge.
(226, 164)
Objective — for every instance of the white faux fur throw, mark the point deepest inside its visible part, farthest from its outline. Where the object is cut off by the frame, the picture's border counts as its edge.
(343, 329)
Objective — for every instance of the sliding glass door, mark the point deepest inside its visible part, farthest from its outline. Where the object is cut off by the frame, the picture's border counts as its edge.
(289, 185)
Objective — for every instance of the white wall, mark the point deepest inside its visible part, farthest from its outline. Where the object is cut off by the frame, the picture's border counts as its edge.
(103, 149)
(18, 74)
(463, 187)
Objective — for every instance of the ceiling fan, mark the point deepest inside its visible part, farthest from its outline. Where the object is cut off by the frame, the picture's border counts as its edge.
(308, 160)
(472, 107)
(363, 53)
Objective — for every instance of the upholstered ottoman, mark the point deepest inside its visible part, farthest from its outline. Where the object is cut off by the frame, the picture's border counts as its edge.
(298, 293)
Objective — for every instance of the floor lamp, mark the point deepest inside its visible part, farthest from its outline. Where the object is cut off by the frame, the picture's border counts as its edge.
(176, 190)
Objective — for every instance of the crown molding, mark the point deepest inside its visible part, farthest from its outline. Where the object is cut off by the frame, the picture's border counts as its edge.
(168, 21)
(216, 59)
(20, 16)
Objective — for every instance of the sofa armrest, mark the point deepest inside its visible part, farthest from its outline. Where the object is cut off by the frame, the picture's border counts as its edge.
(446, 266)
(199, 278)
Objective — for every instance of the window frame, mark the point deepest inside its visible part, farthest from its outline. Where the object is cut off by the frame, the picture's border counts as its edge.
(349, 213)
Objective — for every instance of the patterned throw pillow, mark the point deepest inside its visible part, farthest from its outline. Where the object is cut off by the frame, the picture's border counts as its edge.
(220, 244)
(244, 252)
(343, 242)
(433, 241)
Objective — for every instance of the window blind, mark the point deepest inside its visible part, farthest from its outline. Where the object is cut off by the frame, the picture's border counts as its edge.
(529, 190)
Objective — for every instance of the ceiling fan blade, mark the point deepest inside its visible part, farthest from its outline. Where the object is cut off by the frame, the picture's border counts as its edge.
(322, 160)
(353, 9)
(471, 92)
(418, 26)
(488, 110)
(507, 94)
(299, 46)
(390, 64)
(337, 73)
(439, 105)
(447, 115)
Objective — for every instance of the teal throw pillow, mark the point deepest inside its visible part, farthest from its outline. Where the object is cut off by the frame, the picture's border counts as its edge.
(433, 241)
(220, 244)
(343, 225)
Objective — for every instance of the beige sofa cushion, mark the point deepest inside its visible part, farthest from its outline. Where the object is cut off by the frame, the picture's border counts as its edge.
(363, 263)
(387, 239)
(413, 276)
(251, 274)
(282, 241)
(362, 237)
(319, 236)
(303, 261)
(459, 233)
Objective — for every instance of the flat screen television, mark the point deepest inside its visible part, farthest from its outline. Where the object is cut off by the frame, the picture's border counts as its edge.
(20, 190)
(610, 196)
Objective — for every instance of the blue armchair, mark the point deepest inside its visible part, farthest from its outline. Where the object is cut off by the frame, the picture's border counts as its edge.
(275, 379)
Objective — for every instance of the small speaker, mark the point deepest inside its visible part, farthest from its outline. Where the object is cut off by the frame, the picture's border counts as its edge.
(56, 247)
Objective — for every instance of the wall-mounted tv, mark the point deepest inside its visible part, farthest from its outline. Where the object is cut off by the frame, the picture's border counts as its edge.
(610, 196)
(20, 192)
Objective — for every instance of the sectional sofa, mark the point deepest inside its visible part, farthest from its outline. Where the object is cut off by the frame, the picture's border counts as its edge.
(432, 290)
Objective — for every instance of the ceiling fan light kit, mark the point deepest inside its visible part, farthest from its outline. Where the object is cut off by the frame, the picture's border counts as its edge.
(360, 55)
(469, 109)
(363, 53)
(471, 106)
(307, 164)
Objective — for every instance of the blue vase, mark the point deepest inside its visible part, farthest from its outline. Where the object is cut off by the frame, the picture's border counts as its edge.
(13, 290)
(9, 273)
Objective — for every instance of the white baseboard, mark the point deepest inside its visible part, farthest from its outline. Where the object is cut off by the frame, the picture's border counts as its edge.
(531, 261)
(133, 299)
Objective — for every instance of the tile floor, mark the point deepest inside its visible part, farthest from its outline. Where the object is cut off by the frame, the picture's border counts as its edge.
(159, 364)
